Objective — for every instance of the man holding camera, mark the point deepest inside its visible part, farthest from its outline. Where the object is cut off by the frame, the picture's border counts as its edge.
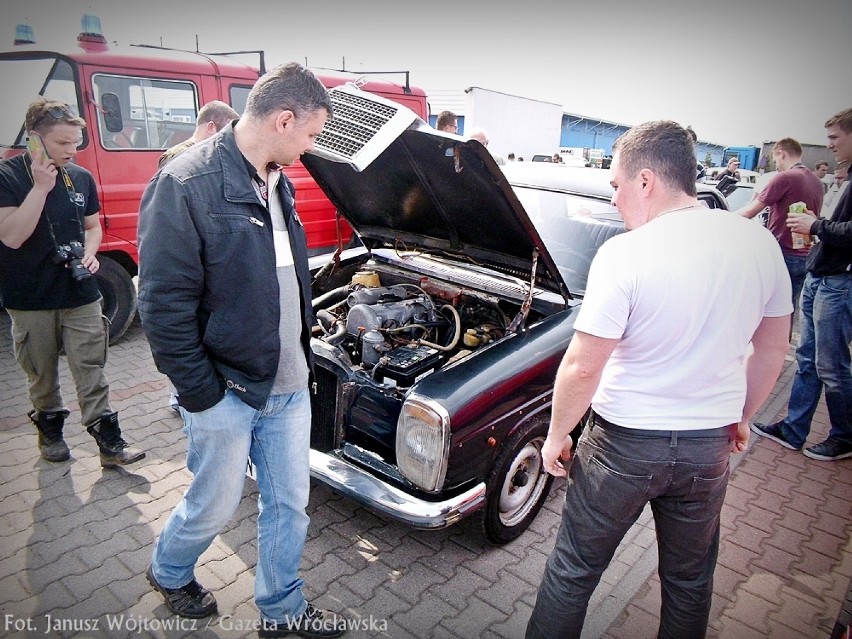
(49, 237)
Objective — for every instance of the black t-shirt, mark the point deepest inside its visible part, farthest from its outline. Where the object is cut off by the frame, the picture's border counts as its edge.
(30, 280)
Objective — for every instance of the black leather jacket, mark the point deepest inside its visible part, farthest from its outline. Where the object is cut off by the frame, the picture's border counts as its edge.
(833, 254)
(208, 291)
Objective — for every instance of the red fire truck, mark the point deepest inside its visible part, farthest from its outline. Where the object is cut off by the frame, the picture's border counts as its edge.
(138, 101)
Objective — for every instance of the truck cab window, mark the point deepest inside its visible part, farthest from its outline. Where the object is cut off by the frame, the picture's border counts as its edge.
(50, 77)
(238, 95)
(155, 114)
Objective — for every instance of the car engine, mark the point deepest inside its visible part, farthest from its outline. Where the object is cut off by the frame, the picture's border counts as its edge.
(400, 332)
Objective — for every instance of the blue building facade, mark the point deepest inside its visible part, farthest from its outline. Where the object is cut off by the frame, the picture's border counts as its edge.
(577, 131)
(594, 133)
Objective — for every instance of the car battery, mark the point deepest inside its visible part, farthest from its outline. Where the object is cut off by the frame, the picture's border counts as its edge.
(405, 365)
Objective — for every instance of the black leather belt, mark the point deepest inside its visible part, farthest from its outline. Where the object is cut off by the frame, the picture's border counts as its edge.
(597, 420)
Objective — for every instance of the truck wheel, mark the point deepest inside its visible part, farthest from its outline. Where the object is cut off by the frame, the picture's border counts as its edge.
(517, 484)
(119, 295)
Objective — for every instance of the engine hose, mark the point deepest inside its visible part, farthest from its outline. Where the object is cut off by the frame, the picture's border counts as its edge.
(334, 330)
(338, 336)
(332, 296)
(456, 337)
(404, 328)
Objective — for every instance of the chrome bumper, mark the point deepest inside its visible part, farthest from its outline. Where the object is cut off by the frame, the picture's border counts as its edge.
(360, 486)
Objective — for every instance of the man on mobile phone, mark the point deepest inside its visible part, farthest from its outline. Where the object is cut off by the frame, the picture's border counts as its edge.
(49, 237)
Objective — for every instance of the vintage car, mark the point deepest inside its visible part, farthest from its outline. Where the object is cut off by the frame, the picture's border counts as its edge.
(437, 342)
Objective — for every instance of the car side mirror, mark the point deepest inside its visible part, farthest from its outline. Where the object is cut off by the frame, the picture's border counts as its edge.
(112, 112)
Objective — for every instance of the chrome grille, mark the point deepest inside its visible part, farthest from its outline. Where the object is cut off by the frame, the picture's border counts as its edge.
(355, 122)
(363, 126)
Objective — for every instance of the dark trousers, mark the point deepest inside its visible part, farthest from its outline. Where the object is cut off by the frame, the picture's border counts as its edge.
(614, 473)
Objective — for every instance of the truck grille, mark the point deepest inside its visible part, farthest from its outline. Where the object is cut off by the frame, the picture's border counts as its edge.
(355, 122)
(363, 126)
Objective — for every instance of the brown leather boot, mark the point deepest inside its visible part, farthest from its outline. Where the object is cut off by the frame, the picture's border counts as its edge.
(114, 450)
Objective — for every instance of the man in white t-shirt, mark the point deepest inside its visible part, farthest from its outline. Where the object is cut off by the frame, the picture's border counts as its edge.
(679, 340)
(835, 191)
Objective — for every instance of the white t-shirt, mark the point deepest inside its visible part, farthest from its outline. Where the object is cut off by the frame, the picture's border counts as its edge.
(684, 293)
(832, 199)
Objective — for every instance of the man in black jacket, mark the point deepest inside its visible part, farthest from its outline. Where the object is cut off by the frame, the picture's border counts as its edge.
(729, 178)
(826, 324)
(225, 302)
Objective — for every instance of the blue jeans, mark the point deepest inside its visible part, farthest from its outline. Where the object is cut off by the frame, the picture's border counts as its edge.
(614, 473)
(796, 267)
(823, 359)
(220, 441)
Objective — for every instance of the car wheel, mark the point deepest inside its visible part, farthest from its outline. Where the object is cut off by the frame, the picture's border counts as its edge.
(517, 484)
(119, 293)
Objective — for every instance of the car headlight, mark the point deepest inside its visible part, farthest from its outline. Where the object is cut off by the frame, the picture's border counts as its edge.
(423, 442)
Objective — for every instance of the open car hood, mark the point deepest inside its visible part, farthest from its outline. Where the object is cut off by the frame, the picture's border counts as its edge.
(402, 184)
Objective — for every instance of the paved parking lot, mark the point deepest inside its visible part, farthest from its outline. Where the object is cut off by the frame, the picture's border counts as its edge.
(75, 541)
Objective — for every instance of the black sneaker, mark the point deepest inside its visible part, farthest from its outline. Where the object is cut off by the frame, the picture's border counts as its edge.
(114, 450)
(192, 600)
(311, 623)
(831, 449)
(773, 432)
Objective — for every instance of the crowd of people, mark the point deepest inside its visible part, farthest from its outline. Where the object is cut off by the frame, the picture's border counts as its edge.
(669, 400)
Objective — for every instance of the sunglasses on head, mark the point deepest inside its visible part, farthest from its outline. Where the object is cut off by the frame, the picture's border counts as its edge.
(55, 112)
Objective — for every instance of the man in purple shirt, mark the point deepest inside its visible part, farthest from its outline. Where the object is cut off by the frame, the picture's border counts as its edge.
(794, 183)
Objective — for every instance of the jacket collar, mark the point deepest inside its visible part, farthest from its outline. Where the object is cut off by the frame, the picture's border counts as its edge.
(238, 186)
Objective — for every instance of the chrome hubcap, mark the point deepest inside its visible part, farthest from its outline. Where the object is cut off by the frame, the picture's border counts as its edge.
(523, 484)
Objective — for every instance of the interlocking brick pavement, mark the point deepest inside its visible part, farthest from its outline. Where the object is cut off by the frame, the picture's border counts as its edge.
(75, 540)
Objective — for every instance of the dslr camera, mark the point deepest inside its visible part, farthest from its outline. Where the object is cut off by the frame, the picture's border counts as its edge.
(71, 255)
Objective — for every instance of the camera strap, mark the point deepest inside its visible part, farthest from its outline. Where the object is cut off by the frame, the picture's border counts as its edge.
(66, 180)
(69, 186)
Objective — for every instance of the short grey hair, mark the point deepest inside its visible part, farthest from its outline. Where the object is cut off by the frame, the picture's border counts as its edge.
(291, 87)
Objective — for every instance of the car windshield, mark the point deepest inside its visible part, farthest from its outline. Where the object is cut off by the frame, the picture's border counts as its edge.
(572, 228)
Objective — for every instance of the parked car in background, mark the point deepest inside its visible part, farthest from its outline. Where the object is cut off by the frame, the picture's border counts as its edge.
(741, 195)
(746, 176)
(559, 204)
(437, 342)
(566, 160)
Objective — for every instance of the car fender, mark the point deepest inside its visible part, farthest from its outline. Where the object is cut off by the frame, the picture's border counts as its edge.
(481, 392)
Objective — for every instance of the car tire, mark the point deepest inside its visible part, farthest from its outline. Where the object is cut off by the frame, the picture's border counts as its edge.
(119, 296)
(517, 485)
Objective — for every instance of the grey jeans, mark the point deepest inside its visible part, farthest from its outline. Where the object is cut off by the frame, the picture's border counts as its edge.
(40, 336)
(614, 473)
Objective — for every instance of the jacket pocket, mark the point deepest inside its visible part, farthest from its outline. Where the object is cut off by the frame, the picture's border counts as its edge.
(235, 223)
(23, 353)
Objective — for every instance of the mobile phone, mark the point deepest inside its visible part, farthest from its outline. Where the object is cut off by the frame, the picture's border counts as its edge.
(36, 147)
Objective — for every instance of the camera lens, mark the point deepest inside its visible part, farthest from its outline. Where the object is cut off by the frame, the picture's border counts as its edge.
(78, 270)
